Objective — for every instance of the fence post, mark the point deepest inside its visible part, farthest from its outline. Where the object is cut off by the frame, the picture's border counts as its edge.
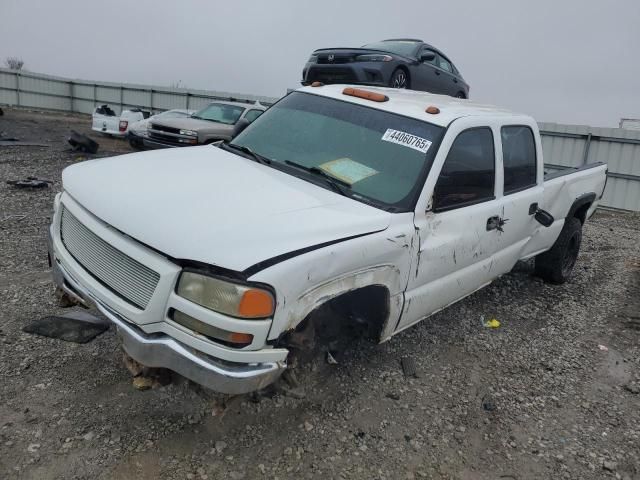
(151, 100)
(95, 95)
(18, 87)
(71, 95)
(121, 100)
(188, 96)
(585, 155)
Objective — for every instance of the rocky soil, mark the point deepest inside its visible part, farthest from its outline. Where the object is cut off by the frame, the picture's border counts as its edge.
(553, 393)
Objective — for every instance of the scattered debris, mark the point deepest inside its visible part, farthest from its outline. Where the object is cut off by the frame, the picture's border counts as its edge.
(331, 359)
(609, 466)
(632, 387)
(393, 396)
(409, 367)
(82, 143)
(603, 348)
(142, 383)
(17, 217)
(76, 326)
(488, 404)
(14, 142)
(493, 323)
(30, 182)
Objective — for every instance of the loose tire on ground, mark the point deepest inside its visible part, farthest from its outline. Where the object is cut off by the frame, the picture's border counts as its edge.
(556, 264)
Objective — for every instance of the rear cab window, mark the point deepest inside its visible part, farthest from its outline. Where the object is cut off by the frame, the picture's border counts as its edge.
(518, 158)
(468, 173)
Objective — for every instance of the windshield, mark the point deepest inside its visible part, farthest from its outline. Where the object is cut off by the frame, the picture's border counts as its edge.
(401, 47)
(382, 158)
(220, 112)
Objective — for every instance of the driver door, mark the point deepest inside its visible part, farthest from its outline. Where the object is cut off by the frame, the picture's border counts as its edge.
(457, 236)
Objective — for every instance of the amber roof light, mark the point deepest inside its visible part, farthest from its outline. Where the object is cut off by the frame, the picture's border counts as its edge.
(366, 94)
(432, 110)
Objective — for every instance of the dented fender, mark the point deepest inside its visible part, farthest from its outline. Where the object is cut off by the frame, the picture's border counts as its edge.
(305, 282)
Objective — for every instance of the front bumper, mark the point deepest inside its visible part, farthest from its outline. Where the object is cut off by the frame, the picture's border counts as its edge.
(158, 349)
(360, 73)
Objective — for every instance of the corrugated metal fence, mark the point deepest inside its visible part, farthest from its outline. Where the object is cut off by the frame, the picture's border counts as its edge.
(564, 146)
(35, 90)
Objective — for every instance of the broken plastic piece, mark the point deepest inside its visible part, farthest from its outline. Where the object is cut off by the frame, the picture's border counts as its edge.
(331, 359)
(82, 143)
(76, 326)
(30, 182)
(603, 348)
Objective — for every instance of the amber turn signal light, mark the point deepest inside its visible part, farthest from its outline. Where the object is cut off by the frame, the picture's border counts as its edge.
(432, 110)
(256, 304)
(367, 95)
(317, 84)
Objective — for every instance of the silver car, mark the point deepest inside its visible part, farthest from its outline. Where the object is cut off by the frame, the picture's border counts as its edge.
(214, 122)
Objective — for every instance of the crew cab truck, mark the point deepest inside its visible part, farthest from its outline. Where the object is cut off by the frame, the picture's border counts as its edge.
(378, 206)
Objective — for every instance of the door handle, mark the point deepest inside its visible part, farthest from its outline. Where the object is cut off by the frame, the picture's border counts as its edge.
(437, 72)
(455, 80)
(496, 223)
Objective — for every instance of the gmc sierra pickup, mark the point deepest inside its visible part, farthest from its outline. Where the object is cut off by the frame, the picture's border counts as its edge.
(377, 205)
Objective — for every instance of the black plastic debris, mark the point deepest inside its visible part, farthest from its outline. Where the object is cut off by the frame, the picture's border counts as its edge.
(409, 367)
(76, 326)
(82, 143)
(488, 404)
(30, 182)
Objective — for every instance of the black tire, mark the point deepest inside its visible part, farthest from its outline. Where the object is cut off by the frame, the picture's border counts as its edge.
(556, 264)
(460, 95)
(399, 79)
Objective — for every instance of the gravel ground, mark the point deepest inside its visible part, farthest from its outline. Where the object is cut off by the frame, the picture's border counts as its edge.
(553, 393)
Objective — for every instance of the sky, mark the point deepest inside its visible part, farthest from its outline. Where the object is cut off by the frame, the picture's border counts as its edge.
(565, 61)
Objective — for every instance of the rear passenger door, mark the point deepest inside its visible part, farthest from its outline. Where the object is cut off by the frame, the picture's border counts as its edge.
(520, 193)
(450, 85)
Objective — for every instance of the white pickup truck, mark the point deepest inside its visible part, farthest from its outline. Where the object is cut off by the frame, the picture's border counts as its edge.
(337, 206)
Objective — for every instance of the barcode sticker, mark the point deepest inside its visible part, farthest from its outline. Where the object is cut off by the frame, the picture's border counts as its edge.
(406, 139)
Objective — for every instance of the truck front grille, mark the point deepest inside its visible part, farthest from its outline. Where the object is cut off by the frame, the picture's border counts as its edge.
(124, 276)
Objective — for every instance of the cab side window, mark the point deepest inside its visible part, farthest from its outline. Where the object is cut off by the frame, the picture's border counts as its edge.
(519, 158)
(468, 174)
(252, 115)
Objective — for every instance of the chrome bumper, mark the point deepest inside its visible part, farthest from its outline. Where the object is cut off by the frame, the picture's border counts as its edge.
(162, 351)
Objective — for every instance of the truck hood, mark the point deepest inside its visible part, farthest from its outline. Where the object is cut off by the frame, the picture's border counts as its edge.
(200, 126)
(212, 206)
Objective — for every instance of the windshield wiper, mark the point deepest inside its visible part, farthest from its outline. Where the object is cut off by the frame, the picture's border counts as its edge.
(241, 148)
(336, 184)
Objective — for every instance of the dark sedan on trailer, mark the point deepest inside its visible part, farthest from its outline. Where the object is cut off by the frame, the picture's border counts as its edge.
(397, 63)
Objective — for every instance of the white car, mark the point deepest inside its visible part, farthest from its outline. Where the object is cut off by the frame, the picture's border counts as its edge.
(337, 206)
(137, 131)
(105, 120)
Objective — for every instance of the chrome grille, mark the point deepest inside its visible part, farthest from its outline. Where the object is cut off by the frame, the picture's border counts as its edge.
(123, 275)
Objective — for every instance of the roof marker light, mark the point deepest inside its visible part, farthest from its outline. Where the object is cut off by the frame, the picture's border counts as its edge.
(432, 110)
(317, 84)
(367, 95)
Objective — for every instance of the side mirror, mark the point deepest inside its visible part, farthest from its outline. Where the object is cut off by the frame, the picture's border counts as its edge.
(544, 218)
(427, 56)
(239, 127)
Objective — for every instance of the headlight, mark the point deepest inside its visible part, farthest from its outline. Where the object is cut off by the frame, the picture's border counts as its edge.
(374, 58)
(230, 298)
(313, 59)
(191, 133)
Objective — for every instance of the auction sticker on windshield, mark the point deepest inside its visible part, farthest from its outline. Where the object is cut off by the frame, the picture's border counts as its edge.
(406, 139)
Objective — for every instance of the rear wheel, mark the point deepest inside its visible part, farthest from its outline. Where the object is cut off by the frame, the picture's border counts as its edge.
(399, 79)
(460, 95)
(556, 265)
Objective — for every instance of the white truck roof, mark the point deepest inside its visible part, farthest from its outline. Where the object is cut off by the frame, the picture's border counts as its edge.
(412, 103)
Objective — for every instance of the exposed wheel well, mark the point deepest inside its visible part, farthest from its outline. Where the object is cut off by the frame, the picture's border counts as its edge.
(581, 213)
(356, 313)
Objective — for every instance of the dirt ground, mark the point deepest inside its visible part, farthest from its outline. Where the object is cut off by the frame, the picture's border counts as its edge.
(553, 393)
